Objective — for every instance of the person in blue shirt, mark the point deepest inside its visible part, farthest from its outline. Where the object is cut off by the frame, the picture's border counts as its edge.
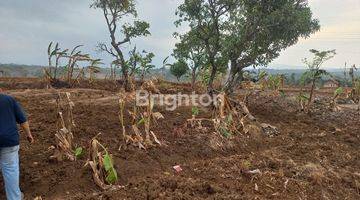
(11, 114)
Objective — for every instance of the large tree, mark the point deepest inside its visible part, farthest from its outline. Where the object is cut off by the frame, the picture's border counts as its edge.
(114, 12)
(246, 32)
(206, 19)
(257, 31)
(192, 52)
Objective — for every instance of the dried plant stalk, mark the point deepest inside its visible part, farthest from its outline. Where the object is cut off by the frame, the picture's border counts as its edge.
(144, 116)
(64, 134)
(121, 116)
(231, 116)
(96, 165)
(101, 164)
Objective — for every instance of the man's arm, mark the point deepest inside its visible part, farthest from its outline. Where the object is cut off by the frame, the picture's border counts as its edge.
(26, 128)
(21, 119)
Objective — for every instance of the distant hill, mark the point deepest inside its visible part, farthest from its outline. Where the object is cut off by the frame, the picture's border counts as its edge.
(336, 72)
(18, 70)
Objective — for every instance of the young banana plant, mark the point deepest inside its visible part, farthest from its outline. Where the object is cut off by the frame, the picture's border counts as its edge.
(102, 165)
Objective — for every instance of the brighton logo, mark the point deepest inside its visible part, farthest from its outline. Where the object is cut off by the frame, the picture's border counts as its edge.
(173, 101)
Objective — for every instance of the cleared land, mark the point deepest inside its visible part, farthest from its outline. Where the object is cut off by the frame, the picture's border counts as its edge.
(313, 157)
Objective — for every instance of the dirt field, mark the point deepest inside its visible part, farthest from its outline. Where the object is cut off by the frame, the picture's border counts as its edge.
(313, 157)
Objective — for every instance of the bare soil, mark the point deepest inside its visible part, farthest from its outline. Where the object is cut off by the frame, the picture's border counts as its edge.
(315, 156)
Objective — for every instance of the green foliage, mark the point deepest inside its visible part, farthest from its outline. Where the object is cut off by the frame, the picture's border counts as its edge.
(357, 88)
(140, 63)
(205, 31)
(53, 52)
(248, 75)
(282, 93)
(314, 73)
(139, 28)
(145, 63)
(247, 33)
(192, 52)
(305, 78)
(127, 7)
(195, 111)
(115, 12)
(225, 132)
(246, 164)
(229, 119)
(225, 127)
(338, 91)
(274, 82)
(141, 121)
(165, 61)
(303, 97)
(262, 74)
(204, 75)
(352, 71)
(319, 58)
(95, 66)
(293, 78)
(133, 62)
(111, 176)
(179, 69)
(279, 24)
(79, 152)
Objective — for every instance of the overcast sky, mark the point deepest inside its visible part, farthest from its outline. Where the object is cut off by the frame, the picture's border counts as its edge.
(27, 27)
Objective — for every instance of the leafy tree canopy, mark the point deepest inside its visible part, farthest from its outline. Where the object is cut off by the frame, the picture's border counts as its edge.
(179, 69)
(246, 32)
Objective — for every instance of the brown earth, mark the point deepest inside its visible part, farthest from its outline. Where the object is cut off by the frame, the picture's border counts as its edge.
(313, 157)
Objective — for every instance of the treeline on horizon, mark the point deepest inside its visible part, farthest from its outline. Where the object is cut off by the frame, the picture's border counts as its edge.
(292, 76)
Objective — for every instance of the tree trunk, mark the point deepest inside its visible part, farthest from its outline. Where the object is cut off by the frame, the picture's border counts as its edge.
(126, 80)
(55, 72)
(311, 93)
(71, 64)
(143, 72)
(210, 87)
(124, 68)
(142, 77)
(114, 73)
(56, 66)
(111, 73)
(49, 60)
(193, 79)
(235, 77)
